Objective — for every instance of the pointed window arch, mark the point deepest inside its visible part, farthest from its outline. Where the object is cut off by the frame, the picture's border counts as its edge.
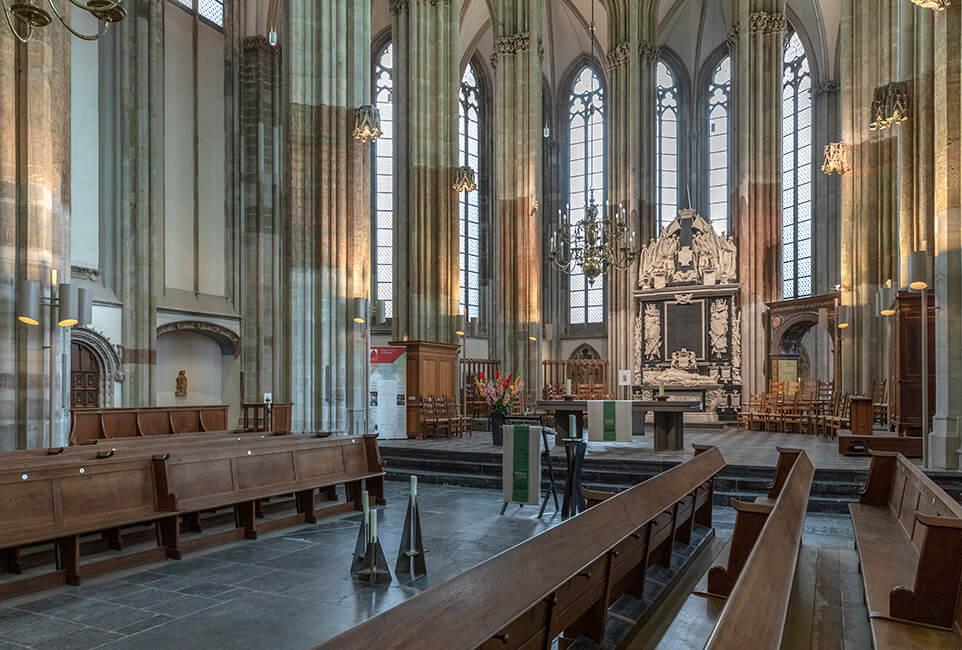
(668, 117)
(719, 129)
(586, 181)
(796, 171)
(383, 181)
(469, 154)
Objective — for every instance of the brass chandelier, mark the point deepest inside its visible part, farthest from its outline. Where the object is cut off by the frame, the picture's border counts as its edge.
(31, 15)
(594, 244)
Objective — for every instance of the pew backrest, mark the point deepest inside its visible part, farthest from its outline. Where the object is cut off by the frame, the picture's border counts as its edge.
(100, 423)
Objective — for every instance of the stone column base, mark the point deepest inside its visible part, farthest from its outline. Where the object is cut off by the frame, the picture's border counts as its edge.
(944, 443)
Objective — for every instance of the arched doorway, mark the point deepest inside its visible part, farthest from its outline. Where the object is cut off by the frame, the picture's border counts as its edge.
(802, 341)
(85, 376)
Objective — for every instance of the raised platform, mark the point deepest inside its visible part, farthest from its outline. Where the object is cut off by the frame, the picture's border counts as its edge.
(751, 456)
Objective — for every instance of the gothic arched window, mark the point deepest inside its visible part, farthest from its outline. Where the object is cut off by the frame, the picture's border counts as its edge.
(719, 91)
(469, 154)
(586, 181)
(384, 181)
(666, 157)
(796, 172)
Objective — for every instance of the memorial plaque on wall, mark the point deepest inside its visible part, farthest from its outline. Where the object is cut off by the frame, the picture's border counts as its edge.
(685, 328)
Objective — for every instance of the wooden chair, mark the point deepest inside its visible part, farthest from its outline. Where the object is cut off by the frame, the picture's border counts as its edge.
(771, 411)
(458, 424)
(748, 418)
(840, 421)
(432, 420)
(880, 406)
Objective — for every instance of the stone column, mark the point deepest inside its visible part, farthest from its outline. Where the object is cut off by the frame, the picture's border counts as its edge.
(632, 59)
(518, 153)
(826, 102)
(944, 439)
(426, 224)
(328, 181)
(264, 227)
(869, 249)
(757, 53)
(34, 230)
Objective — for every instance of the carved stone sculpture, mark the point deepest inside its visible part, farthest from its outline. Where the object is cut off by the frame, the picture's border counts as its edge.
(684, 359)
(652, 333)
(181, 384)
(737, 346)
(718, 328)
(665, 261)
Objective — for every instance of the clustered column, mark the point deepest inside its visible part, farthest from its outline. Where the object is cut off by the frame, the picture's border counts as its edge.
(518, 153)
(327, 73)
(757, 53)
(631, 155)
(426, 226)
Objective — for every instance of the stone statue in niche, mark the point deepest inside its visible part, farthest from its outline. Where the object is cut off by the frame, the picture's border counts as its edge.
(181, 384)
(718, 328)
(652, 332)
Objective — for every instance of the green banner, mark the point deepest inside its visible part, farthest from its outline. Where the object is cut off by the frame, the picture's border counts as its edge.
(609, 430)
(519, 482)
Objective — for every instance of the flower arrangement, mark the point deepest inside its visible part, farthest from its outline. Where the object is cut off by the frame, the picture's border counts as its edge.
(501, 393)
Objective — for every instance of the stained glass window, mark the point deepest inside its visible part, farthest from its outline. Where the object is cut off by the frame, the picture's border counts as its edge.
(796, 172)
(469, 153)
(384, 181)
(586, 180)
(667, 144)
(212, 10)
(719, 90)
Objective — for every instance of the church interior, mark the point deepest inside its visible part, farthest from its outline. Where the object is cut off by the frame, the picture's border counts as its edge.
(617, 324)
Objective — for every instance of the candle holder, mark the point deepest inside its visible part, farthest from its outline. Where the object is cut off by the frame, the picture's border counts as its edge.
(360, 547)
(373, 568)
(411, 553)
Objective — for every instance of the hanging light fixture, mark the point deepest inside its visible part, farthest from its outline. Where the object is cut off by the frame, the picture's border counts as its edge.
(935, 5)
(596, 242)
(464, 180)
(367, 123)
(24, 16)
(835, 159)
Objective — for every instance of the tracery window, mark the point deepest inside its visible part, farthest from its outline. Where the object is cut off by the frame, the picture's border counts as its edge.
(211, 10)
(796, 172)
(469, 154)
(719, 91)
(384, 181)
(586, 180)
(666, 140)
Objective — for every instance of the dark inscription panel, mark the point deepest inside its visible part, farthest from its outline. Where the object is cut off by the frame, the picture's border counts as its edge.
(685, 328)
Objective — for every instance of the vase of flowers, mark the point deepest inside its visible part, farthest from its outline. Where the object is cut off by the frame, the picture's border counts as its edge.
(500, 395)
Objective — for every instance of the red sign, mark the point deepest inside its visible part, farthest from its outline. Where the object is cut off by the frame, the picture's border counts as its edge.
(386, 355)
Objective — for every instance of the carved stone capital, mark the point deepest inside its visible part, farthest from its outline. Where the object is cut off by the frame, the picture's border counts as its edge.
(398, 6)
(732, 39)
(765, 22)
(830, 86)
(512, 44)
(619, 55)
(649, 53)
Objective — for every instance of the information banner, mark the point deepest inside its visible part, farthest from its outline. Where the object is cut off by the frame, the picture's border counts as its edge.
(388, 392)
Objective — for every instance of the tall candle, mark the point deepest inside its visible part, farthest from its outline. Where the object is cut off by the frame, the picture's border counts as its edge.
(567, 386)
(365, 503)
(373, 514)
(661, 386)
(414, 488)
(572, 426)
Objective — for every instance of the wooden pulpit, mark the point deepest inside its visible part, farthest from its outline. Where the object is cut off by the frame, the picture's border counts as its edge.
(431, 371)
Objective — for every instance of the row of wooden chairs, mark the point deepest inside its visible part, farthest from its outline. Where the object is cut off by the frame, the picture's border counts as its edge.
(788, 406)
(581, 391)
(441, 418)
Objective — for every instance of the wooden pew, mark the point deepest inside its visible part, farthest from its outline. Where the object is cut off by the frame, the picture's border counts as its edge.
(96, 423)
(908, 533)
(562, 580)
(59, 498)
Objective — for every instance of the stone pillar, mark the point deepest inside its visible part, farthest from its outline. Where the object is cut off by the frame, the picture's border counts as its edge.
(426, 224)
(133, 90)
(264, 227)
(328, 182)
(34, 231)
(631, 156)
(518, 183)
(827, 188)
(869, 249)
(757, 53)
(944, 439)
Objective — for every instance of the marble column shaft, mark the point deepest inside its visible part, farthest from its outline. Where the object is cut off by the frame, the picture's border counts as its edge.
(34, 231)
(426, 217)
(518, 132)
(327, 74)
(757, 55)
(869, 241)
(632, 58)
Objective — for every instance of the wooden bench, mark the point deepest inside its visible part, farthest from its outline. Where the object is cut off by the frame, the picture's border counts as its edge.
(92, 424)
(562, 580)
(850, 444)
(908, 533)
(59, 498)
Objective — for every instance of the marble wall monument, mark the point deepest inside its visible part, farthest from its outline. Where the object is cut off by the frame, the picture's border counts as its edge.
(687, 332)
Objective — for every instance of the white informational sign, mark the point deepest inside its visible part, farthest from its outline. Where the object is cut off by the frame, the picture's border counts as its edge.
(624, 378)
(387, 386)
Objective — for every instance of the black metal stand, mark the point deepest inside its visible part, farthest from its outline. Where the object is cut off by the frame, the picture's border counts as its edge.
(360, 547)
(575, 455)
(411, 553)
(373, 567)
(552, 491)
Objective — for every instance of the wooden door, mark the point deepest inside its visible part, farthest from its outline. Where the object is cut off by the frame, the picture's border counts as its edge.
(84, 378)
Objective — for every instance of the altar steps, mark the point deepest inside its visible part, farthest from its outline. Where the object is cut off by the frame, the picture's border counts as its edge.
(832, 490)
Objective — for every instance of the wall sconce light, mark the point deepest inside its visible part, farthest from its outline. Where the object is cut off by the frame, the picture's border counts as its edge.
(533, 332)
(360, 310)
(67, 312)
(380, 312)
(918, 270)
(459, 326)
(844, 316)
(28, 307)
(74, 307)
(886, 300)
(474, 327)
(367, 124)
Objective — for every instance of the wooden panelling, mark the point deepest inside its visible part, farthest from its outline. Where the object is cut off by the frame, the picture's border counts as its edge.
(201, 478)
(321, 462)
(264, 469)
